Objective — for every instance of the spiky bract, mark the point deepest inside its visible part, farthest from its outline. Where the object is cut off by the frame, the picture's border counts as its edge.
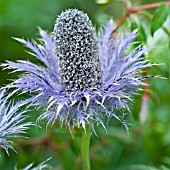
(11, 121)
(42, 166)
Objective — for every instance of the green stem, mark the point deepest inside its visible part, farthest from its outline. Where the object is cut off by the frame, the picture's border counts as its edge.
(85, 143)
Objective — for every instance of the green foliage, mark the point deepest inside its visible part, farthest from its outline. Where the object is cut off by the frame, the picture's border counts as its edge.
(142, 38)
(159, 18)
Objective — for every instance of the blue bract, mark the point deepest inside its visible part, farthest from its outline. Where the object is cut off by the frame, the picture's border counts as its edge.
(84, 78)
(11, 121)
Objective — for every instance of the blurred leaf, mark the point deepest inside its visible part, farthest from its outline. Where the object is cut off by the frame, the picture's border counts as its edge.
(159, 18)
(168, 34)
(167, 160)
(143, 167)
(142, 35)
(103, 19)
(146, 13)
(164, 168)
(133, 26)
(166, 31)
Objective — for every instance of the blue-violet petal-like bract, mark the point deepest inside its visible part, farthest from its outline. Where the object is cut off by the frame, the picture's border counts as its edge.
(84, 78)
(11, 121)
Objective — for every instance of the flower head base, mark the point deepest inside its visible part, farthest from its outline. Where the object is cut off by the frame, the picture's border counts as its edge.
(71, 85)
(77, 51)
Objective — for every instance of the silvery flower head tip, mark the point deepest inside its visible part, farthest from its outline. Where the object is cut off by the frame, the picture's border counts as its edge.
(84, 78)
(11, 121)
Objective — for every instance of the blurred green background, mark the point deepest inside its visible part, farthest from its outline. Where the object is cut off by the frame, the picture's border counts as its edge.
(148, 144)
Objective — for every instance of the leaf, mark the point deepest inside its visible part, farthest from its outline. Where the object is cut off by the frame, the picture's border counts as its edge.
(142, 34)
(147, 14)
(103, 19)
(141, 38)
(166, 31)
(159, 18)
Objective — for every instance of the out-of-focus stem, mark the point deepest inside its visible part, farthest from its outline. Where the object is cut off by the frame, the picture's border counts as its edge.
(147, 6)
(85, 147)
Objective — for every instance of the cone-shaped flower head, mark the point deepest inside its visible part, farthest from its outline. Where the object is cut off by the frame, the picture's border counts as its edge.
(77, 51)
(84, 78)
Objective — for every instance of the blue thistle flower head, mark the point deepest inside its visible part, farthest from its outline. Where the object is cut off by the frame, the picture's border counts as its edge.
(84, 77)
(11, 121)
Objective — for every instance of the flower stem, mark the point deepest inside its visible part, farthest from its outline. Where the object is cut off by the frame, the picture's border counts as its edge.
(85, 143)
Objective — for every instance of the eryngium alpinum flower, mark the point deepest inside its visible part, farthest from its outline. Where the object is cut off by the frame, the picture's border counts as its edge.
(84, 78)
(11, 121)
